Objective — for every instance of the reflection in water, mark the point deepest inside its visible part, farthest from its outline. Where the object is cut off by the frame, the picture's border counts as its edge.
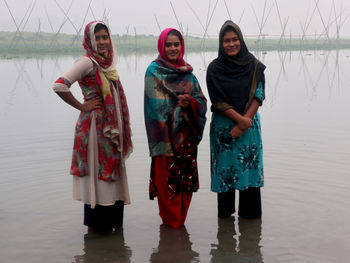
(282, 71)
(237, 246)
(105, 248)
(297, 130)
(329, 71)
(22, 80)
(174, 246)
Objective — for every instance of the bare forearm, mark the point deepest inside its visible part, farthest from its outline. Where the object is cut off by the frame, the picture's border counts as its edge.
(70, 99)
(88, 105)
(253, 108)
(233, 115)
(243, 122)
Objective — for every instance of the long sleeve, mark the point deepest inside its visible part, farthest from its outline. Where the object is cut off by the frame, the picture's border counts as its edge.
(260, 93)
(218, 99)
(78, 71)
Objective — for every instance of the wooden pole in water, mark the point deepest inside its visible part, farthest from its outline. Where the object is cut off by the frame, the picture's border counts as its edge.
(262, 17)
(343, 21)
(206, 25)
(323, 23)
(29, 15)
(107, 15)
(281, 24)
(336, 22)
(209, 21)
(62, 24)
(38, 33)
(265, 20)
(195, 14)
(240, 18)
(92, 12)
(48, 18)
(135, 47)
(208, 14)
(83, 23)
(104, 13)
(177, 20)
(70, 21)
(127, 34)
(257, 21)
(306, 25)
(160, 29)
(17, 26)
(228, 12)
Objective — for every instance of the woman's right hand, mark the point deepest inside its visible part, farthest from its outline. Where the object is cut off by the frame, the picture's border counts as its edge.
(92, 104)
(183, 100)
(244, 123)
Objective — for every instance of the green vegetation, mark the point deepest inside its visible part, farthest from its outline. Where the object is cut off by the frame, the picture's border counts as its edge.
(29, 43)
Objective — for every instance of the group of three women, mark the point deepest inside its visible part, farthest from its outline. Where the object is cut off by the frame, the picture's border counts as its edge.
(175, 109)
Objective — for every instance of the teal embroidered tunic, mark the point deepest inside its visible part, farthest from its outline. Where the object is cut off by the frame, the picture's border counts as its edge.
(236, 163)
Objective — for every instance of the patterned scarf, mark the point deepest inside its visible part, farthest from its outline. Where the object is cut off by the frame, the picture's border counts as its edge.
(105, 75)
(172, 130)
(166, 122)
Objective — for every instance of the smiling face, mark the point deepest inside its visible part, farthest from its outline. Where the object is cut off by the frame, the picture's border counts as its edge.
(172, 48)
(102, 42)
(231, 43)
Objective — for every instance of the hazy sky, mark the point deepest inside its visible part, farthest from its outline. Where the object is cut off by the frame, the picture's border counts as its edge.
(141, 15)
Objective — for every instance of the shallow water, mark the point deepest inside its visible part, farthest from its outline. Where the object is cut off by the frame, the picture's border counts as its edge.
(306, 136)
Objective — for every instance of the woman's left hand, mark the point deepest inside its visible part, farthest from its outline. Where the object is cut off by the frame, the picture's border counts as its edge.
(183, 100)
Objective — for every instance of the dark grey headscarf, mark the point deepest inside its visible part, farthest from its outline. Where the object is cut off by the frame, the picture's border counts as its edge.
(232, 80)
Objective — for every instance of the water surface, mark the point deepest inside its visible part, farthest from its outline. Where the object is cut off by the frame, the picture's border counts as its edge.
(306, 136)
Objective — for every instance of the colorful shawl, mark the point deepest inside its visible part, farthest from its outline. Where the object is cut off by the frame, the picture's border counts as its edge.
(172, 130)
(232, 81)
(105, 75)
(168, 124)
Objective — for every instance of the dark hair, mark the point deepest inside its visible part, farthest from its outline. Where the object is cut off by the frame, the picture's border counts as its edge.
(175, 33)
(100, 27)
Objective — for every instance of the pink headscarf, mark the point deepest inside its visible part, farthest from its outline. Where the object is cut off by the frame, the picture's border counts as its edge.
(161, 46)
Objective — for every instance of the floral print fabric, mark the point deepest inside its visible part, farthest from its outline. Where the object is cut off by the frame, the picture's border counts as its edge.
(236, 163)
(182, 171)
(108, 154)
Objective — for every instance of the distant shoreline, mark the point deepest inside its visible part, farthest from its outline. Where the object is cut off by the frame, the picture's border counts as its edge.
(31, 43)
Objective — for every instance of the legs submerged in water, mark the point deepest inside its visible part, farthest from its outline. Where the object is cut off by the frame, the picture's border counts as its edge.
(249, 203)
(172, 211)
(226, 204)
(104, 219)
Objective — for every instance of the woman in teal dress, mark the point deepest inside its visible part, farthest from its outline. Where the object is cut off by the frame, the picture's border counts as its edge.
(236, 82)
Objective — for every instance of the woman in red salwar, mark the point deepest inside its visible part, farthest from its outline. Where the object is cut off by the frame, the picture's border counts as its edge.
(175, 110)
(102, 140)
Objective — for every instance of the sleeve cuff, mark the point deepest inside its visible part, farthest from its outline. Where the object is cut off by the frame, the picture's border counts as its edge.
(221, 106)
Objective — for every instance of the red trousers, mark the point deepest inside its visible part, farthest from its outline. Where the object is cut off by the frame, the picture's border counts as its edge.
(172, 211)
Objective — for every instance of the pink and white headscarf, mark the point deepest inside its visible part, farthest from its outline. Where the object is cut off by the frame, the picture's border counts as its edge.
(105, 64)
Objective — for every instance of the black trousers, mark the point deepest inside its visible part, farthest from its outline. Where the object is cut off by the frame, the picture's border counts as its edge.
(249, 203)
(104, 218)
